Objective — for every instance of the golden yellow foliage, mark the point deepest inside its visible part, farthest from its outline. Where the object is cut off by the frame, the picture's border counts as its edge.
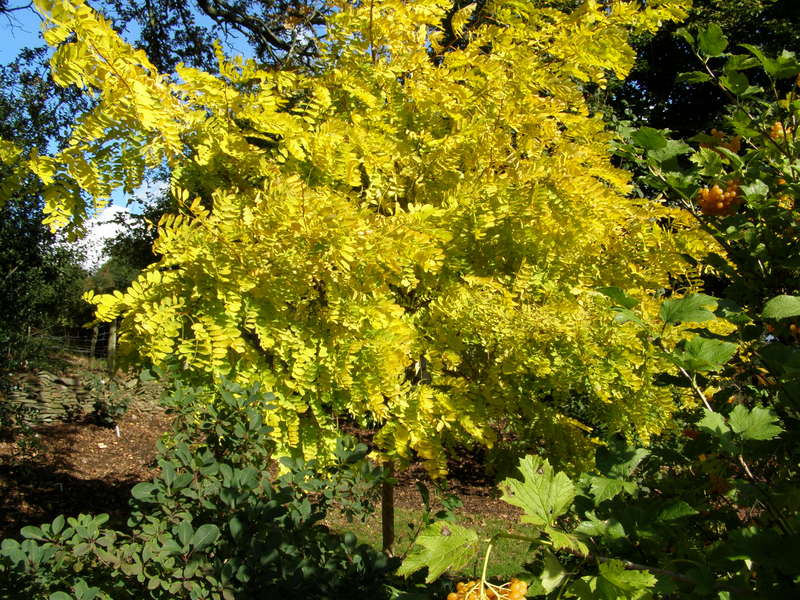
(410, 236)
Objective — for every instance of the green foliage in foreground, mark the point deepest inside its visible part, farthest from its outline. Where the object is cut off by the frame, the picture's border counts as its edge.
(636, 528)
(713, 513)
(213, 524)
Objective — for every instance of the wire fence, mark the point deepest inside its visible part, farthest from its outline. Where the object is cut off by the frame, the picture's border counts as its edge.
(36, 346)
(90, 343)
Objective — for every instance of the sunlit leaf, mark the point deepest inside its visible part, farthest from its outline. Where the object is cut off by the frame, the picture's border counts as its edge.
(439, 547)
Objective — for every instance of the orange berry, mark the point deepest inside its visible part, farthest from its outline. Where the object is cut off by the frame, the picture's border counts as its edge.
(785, 201)
(778, 132)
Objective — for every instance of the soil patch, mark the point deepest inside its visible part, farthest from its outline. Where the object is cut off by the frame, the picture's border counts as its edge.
(79, 468)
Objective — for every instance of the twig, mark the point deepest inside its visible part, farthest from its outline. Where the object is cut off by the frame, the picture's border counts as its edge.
(696, 389)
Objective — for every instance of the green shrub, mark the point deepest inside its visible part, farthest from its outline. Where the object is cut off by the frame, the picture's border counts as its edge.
(213, 524)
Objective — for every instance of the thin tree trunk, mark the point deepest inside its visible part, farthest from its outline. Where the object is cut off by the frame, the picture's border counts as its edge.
(387, 509)
(111, 357)
(93, 348)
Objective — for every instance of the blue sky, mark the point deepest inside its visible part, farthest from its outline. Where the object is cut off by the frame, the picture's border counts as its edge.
(22, 29)
(19, 29)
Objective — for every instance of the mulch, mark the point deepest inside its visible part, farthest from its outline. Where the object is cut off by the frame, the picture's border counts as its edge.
(79, 468)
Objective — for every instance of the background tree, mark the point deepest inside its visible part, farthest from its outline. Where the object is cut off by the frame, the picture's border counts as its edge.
(41, 280)
(653, 95)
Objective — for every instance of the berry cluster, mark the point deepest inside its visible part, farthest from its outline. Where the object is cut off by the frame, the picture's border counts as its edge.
(720, 140)
(778, 133)
(477, 590)
(715, 201)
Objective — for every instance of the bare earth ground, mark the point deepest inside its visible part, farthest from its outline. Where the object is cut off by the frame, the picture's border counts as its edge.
(86, 468)
(80, 468)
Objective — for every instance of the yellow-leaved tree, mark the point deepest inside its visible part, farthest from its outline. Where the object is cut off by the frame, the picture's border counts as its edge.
(412, 234)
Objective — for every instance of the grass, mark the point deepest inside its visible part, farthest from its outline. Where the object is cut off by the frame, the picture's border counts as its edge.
(506, 560)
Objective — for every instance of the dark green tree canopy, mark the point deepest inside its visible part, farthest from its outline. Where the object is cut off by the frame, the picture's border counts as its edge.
(651, 95)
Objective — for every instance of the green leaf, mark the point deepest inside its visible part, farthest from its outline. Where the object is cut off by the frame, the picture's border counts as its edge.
(693, 77)
(757, 190)
(649, 138)
(440, 546)
(611, 529)
(565, 541)
(785, 65)
(204, 536)
(32, 533)
(670, 150)
(732, 312)
(552, 573)
(236, 527)
(618, 461)
(543, 495)
(714, 423)
(695, 308)
(702, 354)
(676, 509)
(615, 581)
(710, 162)
(168, 473)
(782, 307)
(625, 316)
(60, 596)
(686, 35)
(604, 488)
(142, 491)
(711, 41)
(736, 82)
(756, 424)
(781, 358)
(618, 296)
(682, 182)
(184, 531)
